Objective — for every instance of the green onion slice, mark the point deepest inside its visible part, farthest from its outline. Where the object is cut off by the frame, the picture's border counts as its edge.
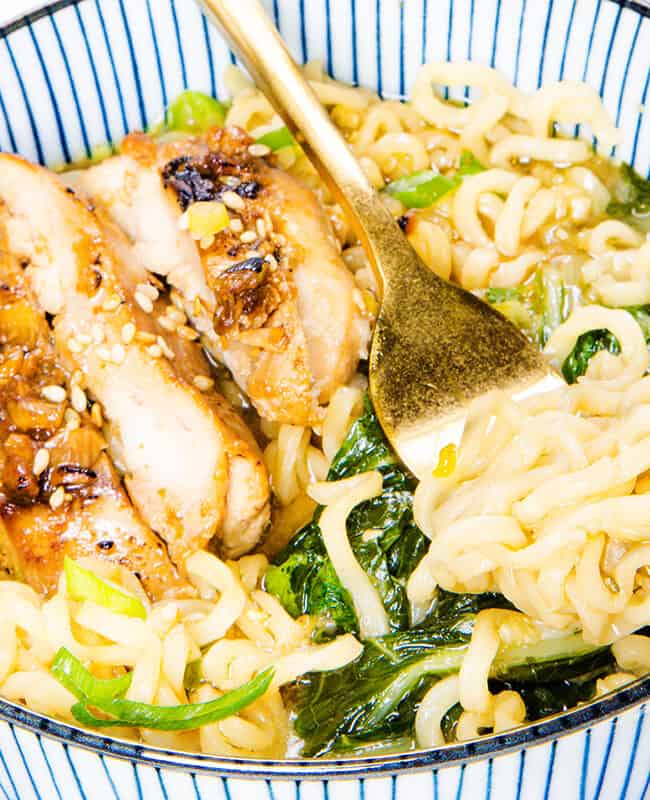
(82, 584)
(91, 691)
(277, 139)
(70, 672)
(194, 112)
(423, 189)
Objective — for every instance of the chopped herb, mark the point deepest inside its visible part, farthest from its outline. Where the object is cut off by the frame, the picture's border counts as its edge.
(631, 199)
(277, 139)
(194, 112)
(108, 696)
(423, 189)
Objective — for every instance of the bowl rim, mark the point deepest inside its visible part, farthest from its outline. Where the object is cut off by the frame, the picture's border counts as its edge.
(631, 696)
(609, 706)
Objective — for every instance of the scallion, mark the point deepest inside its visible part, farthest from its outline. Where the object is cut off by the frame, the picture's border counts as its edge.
(95, 693)
(194, 112)
(423, 189)
(82, 584)
(277, 139)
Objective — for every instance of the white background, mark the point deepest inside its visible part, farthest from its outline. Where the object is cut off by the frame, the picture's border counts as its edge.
(11, 9)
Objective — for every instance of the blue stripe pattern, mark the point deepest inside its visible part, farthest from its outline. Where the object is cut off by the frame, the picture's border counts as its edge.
(83, 75)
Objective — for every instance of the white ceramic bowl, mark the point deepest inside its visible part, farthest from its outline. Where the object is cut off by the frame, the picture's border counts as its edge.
(82, 72)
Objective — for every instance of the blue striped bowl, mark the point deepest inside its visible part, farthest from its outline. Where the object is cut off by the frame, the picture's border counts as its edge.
(83, 72)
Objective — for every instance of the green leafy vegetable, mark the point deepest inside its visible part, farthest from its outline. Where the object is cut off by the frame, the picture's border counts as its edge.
(108, 696)
(590, 343)
(277, 139)
(373, 701)
(586, 346)
(422, 189)
(631, 199)
(536, 307)
(303, 578)
(194, 112)
(193, 676)
(82, 584)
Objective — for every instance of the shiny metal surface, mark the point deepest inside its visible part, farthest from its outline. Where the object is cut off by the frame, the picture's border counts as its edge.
(436, 347)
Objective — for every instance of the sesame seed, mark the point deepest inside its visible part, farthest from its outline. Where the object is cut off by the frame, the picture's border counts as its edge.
(230, 180)
(144, 302)
(259, 150)
(103, 354)
(233, 201)
(78, 399)
(74, 345)
(167, 323)
(96, 415)
(117, 354)
(185, 332)
(176, 298)
(97, 333)
(270, 259)
(164, 347)
(57, 498)
(72, 419)
(253, 254)
(203, 383)
(176, 314)
(147, 289)
(206, 242)
(247, 237)
(41, 461)
(128, 332)
(77, 376)
(55, 394)
(261, 228)
(145, 337)
(203, 324)
(154, 351)
(236, 225)
(112, 302)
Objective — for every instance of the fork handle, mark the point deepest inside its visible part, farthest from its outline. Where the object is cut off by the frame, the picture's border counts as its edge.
(251, 34)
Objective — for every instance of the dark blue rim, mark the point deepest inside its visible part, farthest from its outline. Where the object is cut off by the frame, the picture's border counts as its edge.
(611, 705)
(627, 698)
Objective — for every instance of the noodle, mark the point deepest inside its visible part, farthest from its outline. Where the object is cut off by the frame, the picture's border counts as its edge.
(548, 499)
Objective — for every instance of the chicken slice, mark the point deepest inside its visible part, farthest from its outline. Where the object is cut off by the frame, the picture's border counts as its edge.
(247, 500)
(92, 515)
(280, 305)
(103, 525)
(162, 432)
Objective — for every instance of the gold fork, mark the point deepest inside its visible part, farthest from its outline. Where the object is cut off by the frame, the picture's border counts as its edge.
(436, 347)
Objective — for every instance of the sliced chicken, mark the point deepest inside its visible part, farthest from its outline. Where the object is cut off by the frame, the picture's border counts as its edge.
(278, 304)
(162, 432)
(247, 500)
(59, 494)
(103, 524)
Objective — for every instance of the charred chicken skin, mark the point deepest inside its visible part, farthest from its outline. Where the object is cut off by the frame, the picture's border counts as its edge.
(269, 293)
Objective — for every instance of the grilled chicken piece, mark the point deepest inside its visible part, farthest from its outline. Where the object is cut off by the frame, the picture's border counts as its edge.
(104, 525)
(247, 500)
(162, 432)
(280, 310)
(94, 516)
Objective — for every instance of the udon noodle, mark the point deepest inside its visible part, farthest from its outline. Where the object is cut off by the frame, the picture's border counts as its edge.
(545, 500)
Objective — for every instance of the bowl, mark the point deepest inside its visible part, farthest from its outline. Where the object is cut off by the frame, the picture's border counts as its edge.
(79, 73)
